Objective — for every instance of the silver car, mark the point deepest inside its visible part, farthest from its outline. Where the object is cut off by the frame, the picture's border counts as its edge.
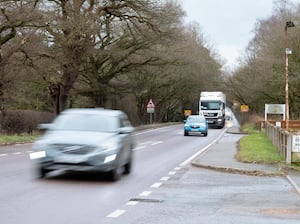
(87, 139)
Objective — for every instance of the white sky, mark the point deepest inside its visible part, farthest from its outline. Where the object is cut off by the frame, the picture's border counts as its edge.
(228, 24)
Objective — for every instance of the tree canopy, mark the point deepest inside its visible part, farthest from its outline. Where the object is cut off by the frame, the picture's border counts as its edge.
(57, 54)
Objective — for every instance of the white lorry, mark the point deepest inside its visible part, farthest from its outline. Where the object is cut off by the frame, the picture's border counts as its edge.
(212, 106)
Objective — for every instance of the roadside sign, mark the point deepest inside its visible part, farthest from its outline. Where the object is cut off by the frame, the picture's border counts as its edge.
(150, 104)
(150, 107)
(244, 108)
(296, 143)
(187, 113)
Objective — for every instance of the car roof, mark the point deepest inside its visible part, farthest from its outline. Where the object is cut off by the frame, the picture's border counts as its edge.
(96, 111)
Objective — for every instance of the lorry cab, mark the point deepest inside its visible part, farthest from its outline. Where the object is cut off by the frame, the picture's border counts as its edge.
(212, 106)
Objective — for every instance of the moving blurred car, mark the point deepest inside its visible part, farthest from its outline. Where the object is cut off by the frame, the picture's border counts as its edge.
(87, 139)
(195, 124)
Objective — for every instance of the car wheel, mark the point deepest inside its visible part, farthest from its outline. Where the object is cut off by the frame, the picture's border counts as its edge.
(127, 167)
(186, 133)
(205, 134)
(116, 173)
(42, 172)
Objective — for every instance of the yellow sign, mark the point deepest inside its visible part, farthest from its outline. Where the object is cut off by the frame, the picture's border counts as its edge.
(244, 108)
(187, 113)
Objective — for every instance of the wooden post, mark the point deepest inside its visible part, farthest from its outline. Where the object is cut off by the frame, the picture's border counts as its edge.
(289, 149)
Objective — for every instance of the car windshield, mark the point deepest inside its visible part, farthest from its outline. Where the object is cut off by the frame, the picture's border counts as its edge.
(86, 122)
(197, 119)
(211, 105)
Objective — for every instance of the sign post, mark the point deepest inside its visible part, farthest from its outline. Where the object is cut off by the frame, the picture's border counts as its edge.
(150, 109)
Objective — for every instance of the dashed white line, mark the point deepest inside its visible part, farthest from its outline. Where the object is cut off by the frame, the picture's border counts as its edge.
(139, 148)
(156, 143)
(164, 178)
(145, 193)
(116, 214)
(145, 143)
(16, 153)
(1, 155)
(172, 173)
(132, 203)
(177, 168)
(156, 185)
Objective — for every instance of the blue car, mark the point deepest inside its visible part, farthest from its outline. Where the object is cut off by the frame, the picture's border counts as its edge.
(195, 124)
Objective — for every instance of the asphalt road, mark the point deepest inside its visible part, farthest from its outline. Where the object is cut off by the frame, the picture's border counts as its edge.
(62, 198)
(162, 188)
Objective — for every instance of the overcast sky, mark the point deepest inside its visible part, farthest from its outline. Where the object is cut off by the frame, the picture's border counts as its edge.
(228, 24)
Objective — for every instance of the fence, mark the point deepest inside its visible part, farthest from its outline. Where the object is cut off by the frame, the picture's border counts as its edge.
(286, 142)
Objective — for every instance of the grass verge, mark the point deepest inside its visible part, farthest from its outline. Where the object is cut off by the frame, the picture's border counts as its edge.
(256, 147)
(11, 139)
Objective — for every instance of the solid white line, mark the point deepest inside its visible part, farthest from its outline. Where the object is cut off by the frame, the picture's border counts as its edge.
(145, 193)
(156, 185)
(116, 214)
(184, 163)
(196, 154)
(132, 203)
(164, 178)
(293, 183)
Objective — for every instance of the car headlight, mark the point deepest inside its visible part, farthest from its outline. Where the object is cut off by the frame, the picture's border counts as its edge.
(110, 158)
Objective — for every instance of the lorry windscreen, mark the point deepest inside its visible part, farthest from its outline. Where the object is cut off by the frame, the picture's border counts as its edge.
(211, 105)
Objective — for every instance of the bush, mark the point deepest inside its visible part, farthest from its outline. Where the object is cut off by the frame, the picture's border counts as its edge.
(21, 121)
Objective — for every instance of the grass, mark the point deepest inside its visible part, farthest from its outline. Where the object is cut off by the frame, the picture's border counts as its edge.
(17, 138)
(256, 147)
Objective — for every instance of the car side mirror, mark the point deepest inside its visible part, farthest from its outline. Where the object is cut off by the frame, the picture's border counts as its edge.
(44, 127)
(126, 130)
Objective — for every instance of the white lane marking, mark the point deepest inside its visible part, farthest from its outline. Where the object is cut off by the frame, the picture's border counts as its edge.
(156, 185)
(30, 151)
(132, 203)
(172, 173)
(144, 132)
(139, 148)
(184, 163)
(151, 130)
(116, 214)
(177, 168)
(293, 183)
(145, 193)
(164, 178)
(1, 155)
(156, 143)
(145, 143)
(16, 153)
